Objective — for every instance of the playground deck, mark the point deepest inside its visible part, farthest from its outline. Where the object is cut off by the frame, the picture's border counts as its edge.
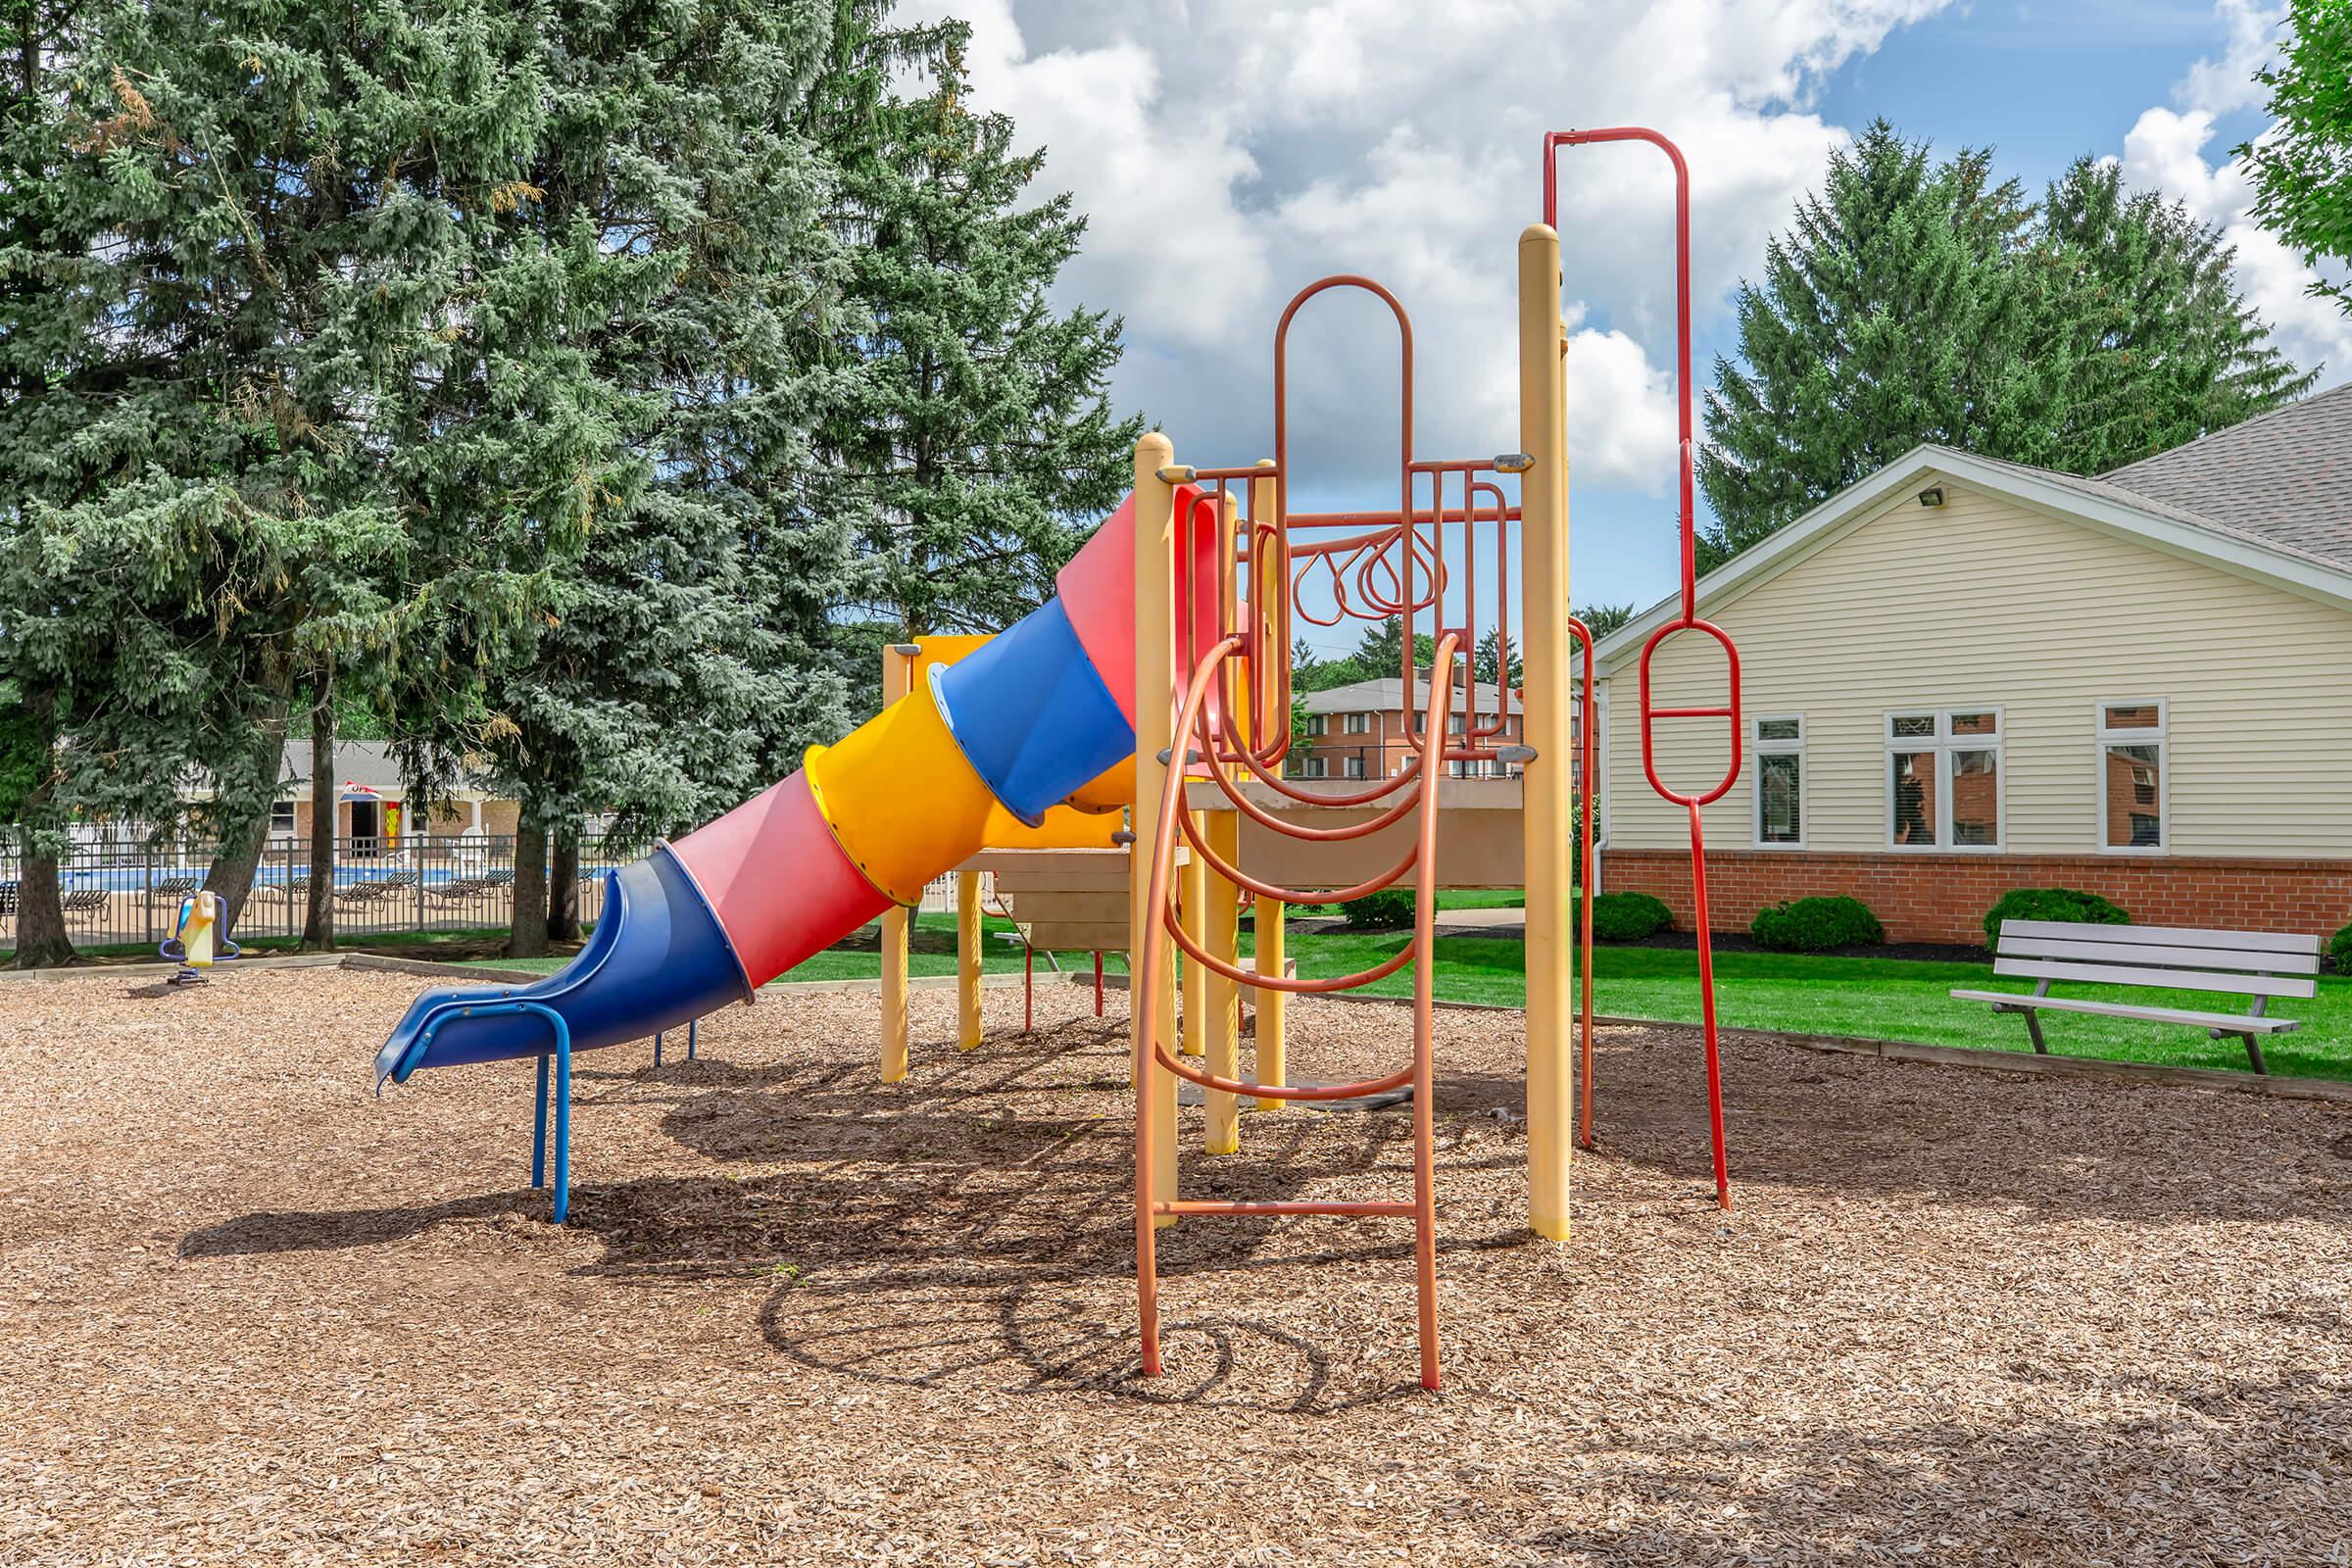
(250, 1314)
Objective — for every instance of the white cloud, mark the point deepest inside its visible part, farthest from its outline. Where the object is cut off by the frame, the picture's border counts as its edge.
(1229, 152)
(2167, 150)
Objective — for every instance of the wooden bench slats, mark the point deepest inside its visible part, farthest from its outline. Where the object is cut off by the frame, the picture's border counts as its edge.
(2238, 959)
(2125, 974)
(2230, 1022)
(2167, 936)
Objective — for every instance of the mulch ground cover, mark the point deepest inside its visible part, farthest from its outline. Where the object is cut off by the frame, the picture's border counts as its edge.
(251, 1314)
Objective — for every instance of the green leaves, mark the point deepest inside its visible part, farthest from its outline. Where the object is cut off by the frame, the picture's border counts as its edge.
(2302, 168)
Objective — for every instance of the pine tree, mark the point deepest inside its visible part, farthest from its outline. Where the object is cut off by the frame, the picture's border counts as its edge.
(1888, 316)
(1919, 302)
(978, 445)
(683, 659)
(2164, 348)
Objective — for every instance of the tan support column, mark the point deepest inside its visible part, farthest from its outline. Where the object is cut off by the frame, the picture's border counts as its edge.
(1194, 874)
(1543, 591)
(1272, 914)
(968, 959)
(898, 667)
(1154, 723)
(1220, 997)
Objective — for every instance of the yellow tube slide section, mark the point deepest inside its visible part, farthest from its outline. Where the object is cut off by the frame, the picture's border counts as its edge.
(902, 801)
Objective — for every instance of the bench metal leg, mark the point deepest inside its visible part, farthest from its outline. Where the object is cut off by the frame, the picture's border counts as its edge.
(2253, 1048)
(2034, 1030)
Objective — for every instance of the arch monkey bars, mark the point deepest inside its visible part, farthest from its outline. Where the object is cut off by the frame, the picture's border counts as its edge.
(1230, 727)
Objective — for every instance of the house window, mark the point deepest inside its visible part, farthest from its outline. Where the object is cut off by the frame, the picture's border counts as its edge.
(1943, 779)
(1352, 765)
(1453, 723)
(1312, 767)
(1359, 723)
(281, 819)
(2131, 788)
(1420, 721)
(1779, 748)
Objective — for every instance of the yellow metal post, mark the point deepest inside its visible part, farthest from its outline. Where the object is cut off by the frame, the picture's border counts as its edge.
(1272, 915)
(968, 959)
(897, 670)
(1266, 601)
(1221, 999)
(1155, 726)
(1544, 590)
(1195, 878)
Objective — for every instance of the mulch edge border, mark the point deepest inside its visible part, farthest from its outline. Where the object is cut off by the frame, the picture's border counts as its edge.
(487, 973)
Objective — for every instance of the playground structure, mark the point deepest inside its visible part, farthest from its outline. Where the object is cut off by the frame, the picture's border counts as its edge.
(1159, 679)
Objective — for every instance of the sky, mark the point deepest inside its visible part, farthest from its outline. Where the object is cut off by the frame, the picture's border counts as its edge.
(1229, 152)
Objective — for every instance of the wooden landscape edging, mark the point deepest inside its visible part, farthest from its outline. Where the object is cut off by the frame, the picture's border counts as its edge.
(488, 974)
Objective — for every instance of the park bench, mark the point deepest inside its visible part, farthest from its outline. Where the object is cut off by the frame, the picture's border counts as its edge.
(2256, 964)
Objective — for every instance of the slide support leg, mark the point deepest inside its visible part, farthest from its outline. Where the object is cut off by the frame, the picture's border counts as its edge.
(968, 959)
(893, 995)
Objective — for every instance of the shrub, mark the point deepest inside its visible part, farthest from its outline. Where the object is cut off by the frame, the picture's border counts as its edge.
(2052, 904)
(1816, 925)
(1623, 916)
(2339, 951)
(1388, 910)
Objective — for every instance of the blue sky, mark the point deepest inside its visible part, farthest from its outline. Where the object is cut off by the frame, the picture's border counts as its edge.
(1231, 151)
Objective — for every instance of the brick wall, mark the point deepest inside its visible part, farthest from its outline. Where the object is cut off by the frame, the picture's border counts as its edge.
(1942, 898)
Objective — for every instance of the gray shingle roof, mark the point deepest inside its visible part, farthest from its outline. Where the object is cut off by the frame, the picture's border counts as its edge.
(1386, 697)
(2284, 478)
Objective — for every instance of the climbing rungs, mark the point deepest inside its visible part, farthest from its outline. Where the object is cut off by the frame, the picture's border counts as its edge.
(1194, 1206)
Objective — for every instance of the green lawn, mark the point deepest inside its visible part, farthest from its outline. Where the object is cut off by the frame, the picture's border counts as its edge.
(1881, 998)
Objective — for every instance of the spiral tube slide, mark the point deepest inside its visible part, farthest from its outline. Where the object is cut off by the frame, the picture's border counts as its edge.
(1035, 715)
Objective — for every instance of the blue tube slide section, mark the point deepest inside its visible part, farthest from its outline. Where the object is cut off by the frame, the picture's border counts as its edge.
(656, 959)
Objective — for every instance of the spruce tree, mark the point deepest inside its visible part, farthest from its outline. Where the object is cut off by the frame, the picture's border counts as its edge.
(1887, 315)
(2302, 167)
(978, 445)
(1916, 301)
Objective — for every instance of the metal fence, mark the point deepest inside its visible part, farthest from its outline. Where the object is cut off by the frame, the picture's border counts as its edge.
(118, 894)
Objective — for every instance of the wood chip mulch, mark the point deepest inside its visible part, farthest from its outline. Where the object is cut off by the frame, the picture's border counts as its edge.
(250, 1314)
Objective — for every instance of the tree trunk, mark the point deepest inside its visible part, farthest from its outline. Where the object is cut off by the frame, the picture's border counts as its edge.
(563, 886)
(319, 917)
(239, 850)
(526, 938)
(42, 939)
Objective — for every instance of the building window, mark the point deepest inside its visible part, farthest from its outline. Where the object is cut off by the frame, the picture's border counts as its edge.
(2131, 780)
(1313, 766)
(1352, 764)
(1328, 724)
(1420, 721)
(1943, 779)
(281, 819)
(1359, 723)
(1453, 723)
(1779, 748)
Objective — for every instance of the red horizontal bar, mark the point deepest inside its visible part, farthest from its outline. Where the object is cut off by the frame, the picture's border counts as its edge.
(1691, 712)
(1194, 1206)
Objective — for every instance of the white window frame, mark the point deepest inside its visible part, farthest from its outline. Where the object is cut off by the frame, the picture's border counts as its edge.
(1360, 724)
(1352, 764)
(285, 807)
(2160, 738)
(1760, 747)
(1943, 744)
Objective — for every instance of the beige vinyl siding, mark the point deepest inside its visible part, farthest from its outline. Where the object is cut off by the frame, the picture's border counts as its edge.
(1984, 603)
